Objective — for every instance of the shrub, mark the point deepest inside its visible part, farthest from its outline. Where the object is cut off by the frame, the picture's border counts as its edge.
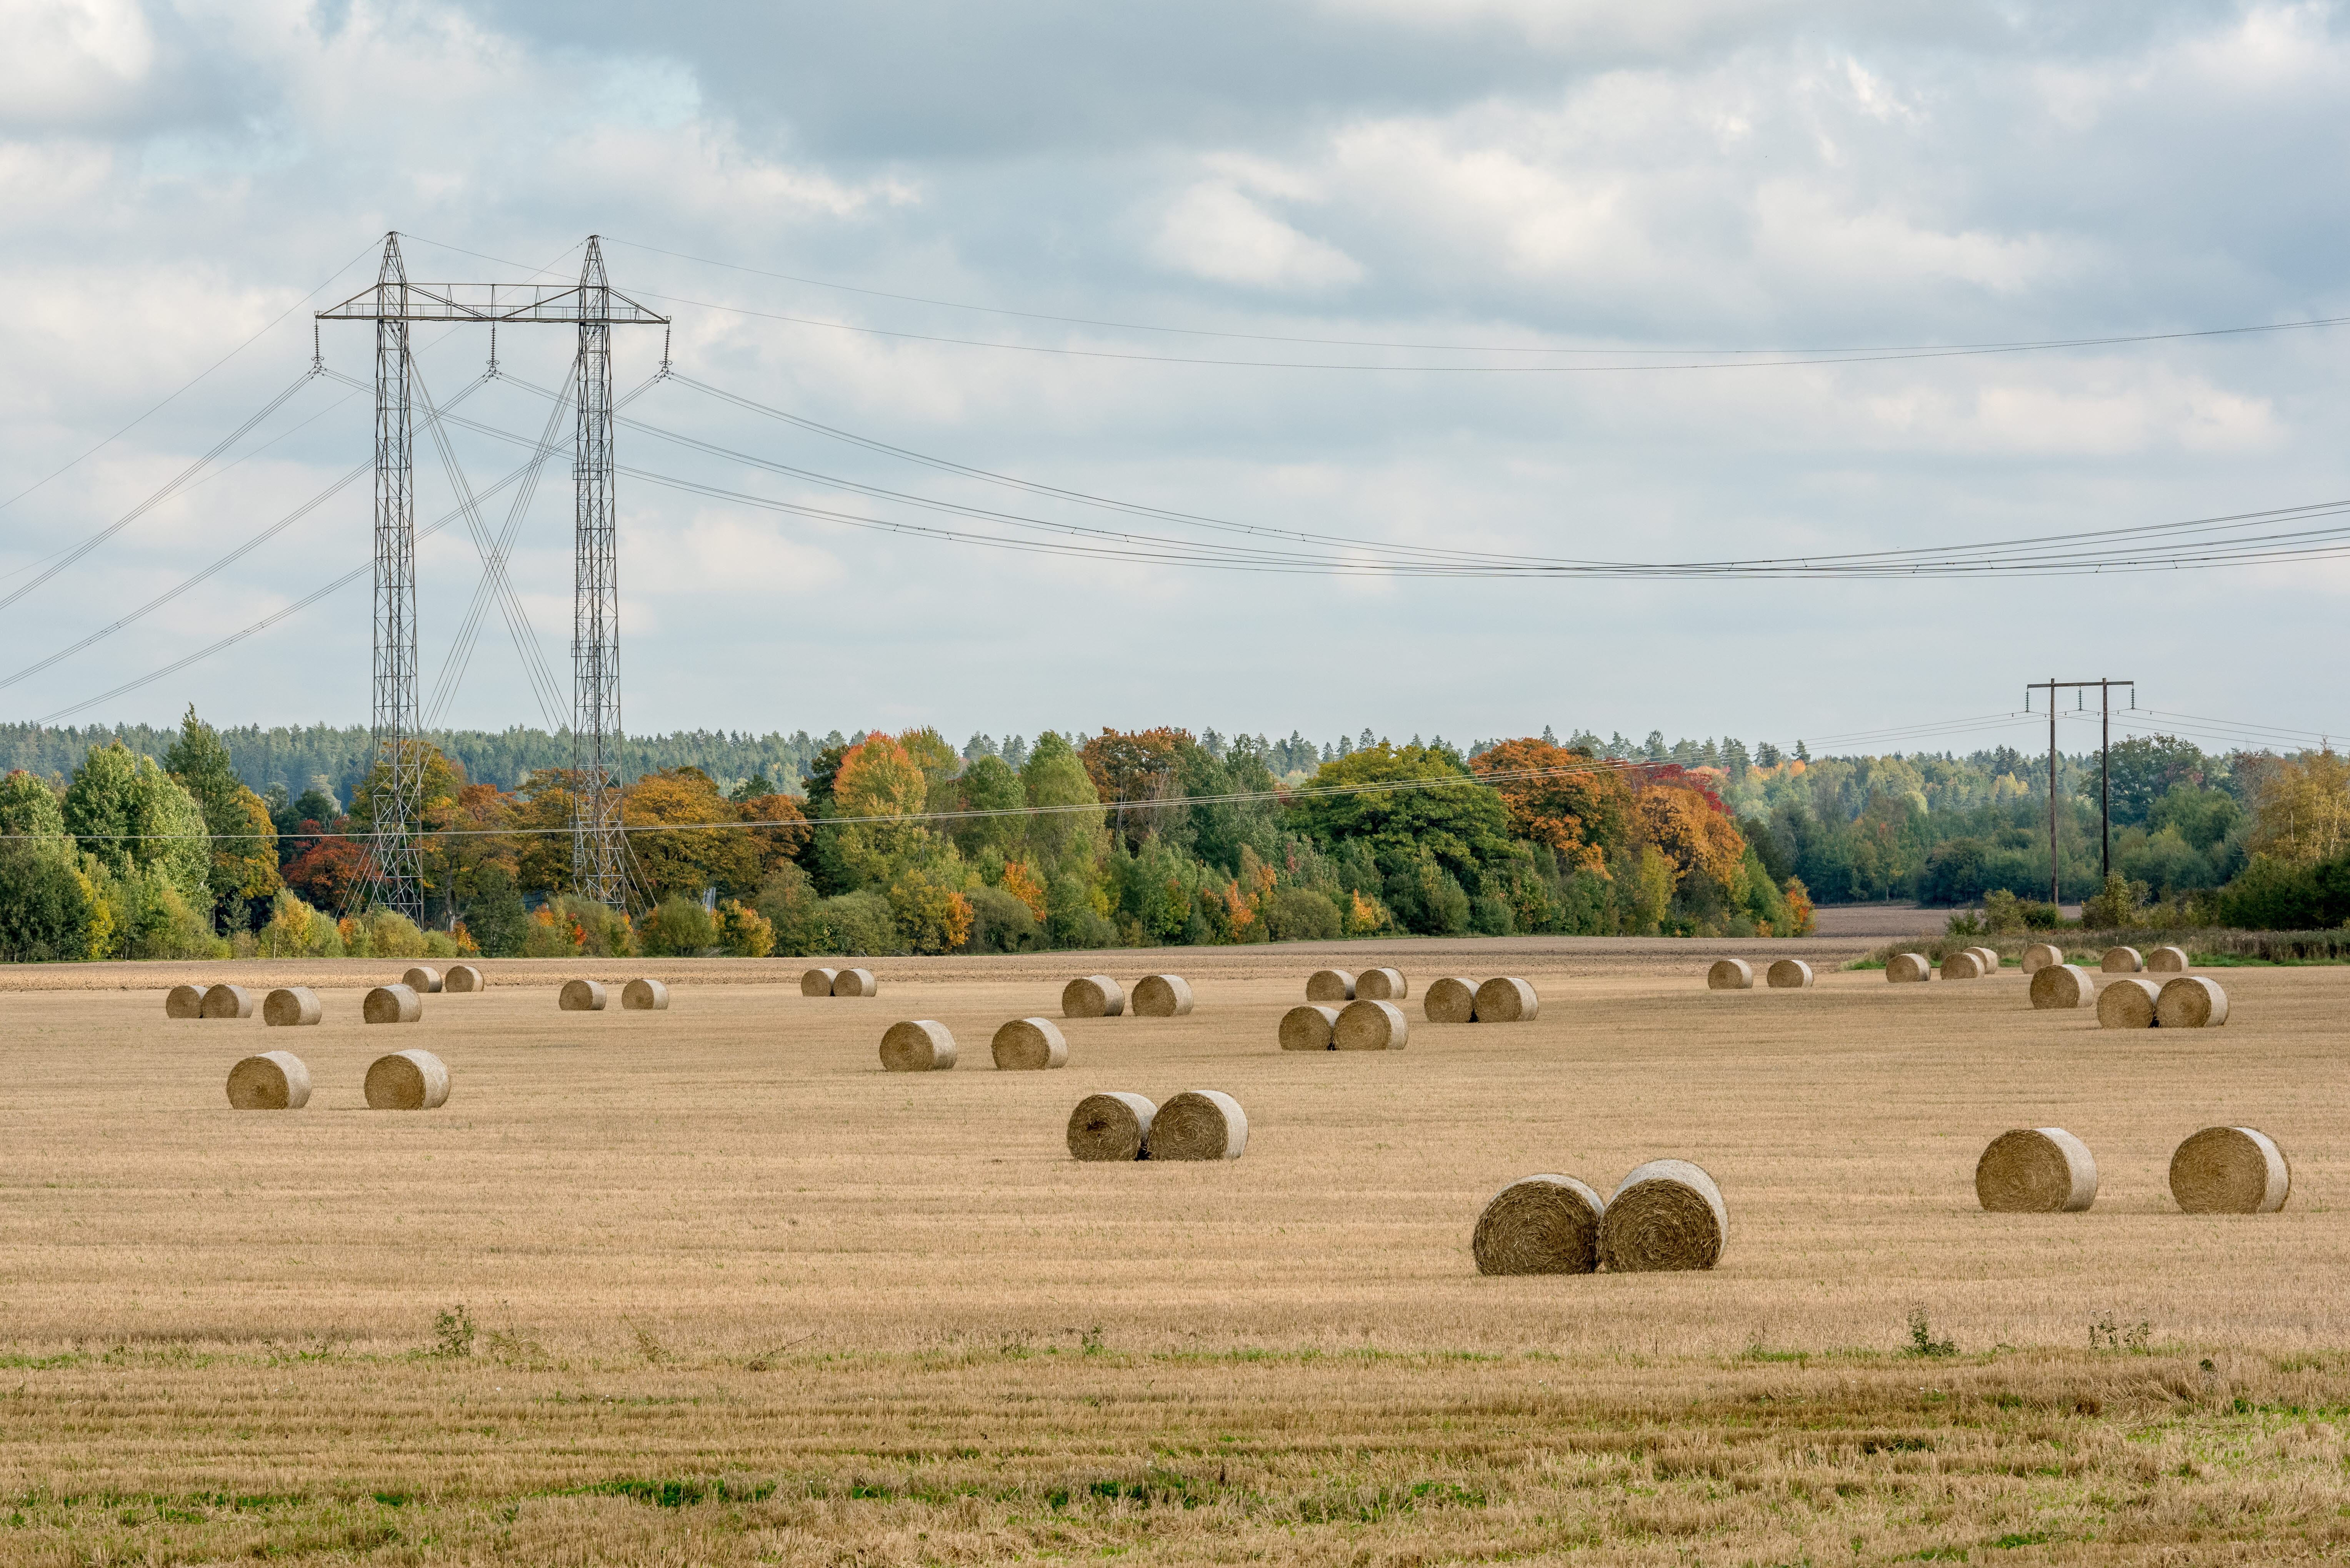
(743, 931)
(1001, 923)
(1301, 915)
(45, 912)
(788, 902)
(295, 930)
(496, 917)
(604, 932)
(679, 927)
(858, 923)
(1490, 916)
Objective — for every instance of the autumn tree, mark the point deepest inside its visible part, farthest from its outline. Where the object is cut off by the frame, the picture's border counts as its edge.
(1690, 833)
(883, 791)
(1564, 798)
(682, 838)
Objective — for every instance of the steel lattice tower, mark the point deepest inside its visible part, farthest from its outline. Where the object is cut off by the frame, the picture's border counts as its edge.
(598, 853)
(396, 856)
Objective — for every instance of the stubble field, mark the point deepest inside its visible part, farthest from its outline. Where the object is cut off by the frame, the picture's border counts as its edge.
(735, 1294)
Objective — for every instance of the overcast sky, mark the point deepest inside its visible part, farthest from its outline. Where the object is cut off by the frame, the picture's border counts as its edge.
(1702, 175)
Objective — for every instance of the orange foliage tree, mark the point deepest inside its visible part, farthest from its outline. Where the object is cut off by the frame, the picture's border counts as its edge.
(1572, 802)
(1692, 833)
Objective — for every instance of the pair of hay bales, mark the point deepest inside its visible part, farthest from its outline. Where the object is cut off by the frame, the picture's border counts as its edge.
(2160, 961)
(1505, 998)
(426, 981)
(279, 1081)
(1363, 1024)
(1099, 996)
(1737, 975)
(2185, 1002)
(1667, 1214)
(839, 982)
(2047, 1170)
(1021, 1046)
(1326, 985)
(590, 996)
(1198, 1124)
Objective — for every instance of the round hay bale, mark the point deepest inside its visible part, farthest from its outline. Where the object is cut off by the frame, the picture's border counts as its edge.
(1030, 1045)
(1505, 998)
(1666, 1214)
(1451, 999)
(391, 1005)
(273, 1081)
(1092, 996)
(1381, 985)
(1310, 1028)
(2230, 1170)
(184, 1001)
(290, 1005)
(1904, 968)
(1964, 965)
(917, 1046)
(2127, 1004)
(2121, 961)
(1112, 1126)
(229, 1001)
(1330, 985)
(644, 996)
(1365, 1025)
(1990, 960)
(1789, 974)
(1539, 1225)
(581, 996)
(422, 980)
(2166, 961)
(2064, 986)
(2190, 1001)
(464, 977)
(407, 1081)
(1162, 996)
(818, 982)
(1199, 1124)
(2040, 955)
(856, 982)
(2036, 1170)
(1725, 974)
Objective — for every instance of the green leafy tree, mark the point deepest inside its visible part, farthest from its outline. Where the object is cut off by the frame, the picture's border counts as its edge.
(1055, 776)
(44, 908)
(1431, 807)
(990, 785)
(28, 809)
(243, 842)
(677, 928)
(496, 920)
(134, 818)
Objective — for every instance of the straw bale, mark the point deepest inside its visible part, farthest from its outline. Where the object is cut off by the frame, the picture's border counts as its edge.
(2190, 1001)
(917, 1046)
(1902, 968)
(229, 1001)
(1111, 1126)
(2127, 1004)
(856, 982)
(581, 996)
(2121, 961)
(2064, 986)
(184, 1001)
(273, 1081)
(2166, 961)
(1030, 1045)
(1990, 960)
(2230, 1170)
(1382, 985)
(423, 980)
(1723, 974)
(818, 982)
(1092, 996)
(1505, 998)
(2040, 955)
(644, 996)
(1199, 1124)
(1330, 985)
(2036, 1170)
(290, 1005)
(1664, 1214)
(391, 1005)
(1310, 1028)
(1365, 1025)
(464, 977)
(1789, 974)
(1162, 996)
(1451, 999)
(407, 1081)
(1539, 1225)
(1964, 965)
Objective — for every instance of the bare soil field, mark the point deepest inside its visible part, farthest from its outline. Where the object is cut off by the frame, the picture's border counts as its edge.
(707, 1285)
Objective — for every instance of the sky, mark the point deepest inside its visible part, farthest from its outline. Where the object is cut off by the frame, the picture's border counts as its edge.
(1165, 256)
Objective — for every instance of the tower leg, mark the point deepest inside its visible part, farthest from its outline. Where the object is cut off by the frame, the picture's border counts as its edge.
(598, 850)
(399, 753)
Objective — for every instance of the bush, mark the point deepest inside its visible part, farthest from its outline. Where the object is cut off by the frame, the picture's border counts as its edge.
(1301, 915)
(295, 930)
(496, 917)
(383, 933)
(1489, 917)
(858, 923)
(1001, 923)
(788, 902)
(603, 931)
(679, 927)
(743, 931)
(44, 914)
(546, 937)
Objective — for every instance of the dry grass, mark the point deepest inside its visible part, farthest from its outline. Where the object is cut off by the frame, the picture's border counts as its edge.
(742, 1297)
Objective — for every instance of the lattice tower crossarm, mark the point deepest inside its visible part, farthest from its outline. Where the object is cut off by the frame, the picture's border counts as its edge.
(599, 851)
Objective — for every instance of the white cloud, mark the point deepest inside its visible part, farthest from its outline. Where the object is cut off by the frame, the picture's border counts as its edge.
(1213, 231)
(71, 60)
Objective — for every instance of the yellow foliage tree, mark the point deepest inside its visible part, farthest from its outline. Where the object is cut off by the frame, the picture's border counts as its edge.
(2303, 811)
(880, 779)
(1690, 833)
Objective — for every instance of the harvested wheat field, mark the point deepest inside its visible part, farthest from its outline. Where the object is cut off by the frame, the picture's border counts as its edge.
(708, 1285)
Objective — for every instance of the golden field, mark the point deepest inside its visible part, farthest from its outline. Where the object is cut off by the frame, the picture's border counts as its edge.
(738, 1295)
